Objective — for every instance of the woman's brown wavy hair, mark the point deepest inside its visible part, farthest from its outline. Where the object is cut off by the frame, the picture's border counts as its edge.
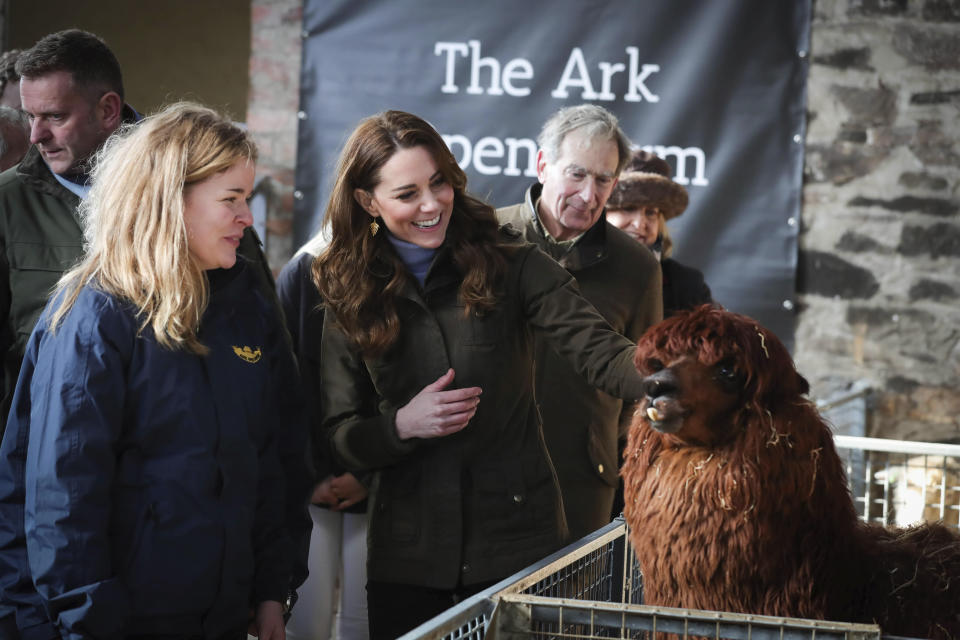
(359, 275)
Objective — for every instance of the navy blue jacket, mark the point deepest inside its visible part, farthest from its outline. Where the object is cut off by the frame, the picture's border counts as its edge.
(151, 491)
(300, 301)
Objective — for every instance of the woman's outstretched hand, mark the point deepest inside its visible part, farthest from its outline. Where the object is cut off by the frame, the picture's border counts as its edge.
(434, 412)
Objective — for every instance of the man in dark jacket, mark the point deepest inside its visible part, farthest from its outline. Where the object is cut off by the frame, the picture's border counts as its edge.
(582, 151)
(72, 92)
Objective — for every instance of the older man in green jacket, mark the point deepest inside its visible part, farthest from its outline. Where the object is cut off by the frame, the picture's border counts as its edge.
(582, 151)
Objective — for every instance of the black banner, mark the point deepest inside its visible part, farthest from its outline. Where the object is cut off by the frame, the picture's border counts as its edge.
(716, 88)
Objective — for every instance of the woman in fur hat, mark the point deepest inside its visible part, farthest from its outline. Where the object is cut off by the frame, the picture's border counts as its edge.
(643, 200)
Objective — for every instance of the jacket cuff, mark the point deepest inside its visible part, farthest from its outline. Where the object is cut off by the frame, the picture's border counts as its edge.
(269, 590)
(371, 443)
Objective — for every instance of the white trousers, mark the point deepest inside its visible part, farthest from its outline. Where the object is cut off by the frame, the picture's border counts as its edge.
(338, 553)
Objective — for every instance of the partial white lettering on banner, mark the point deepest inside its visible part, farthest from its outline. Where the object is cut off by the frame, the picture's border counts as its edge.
(576, 63)
(500, 82)
(636, 80)
(489, 149)
(682, 157)
(492, 156)
(575, 74)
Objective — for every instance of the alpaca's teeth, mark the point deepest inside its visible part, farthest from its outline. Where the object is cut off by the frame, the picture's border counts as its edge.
(653, 414)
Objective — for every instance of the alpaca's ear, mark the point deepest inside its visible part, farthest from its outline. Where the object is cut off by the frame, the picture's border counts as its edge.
(803, 384)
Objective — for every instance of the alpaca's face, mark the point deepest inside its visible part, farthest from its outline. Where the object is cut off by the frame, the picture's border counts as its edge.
(692, 401)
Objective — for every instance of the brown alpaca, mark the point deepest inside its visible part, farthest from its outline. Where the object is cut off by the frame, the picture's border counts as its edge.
(737, 500)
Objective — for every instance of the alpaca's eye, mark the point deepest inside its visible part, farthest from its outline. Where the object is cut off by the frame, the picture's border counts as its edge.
(653, 365)
(726, 373)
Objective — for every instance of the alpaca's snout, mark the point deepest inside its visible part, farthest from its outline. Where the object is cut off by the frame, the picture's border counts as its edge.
(662, 406)
(661, 383)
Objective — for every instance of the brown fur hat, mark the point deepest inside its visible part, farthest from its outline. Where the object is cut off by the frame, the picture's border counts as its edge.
(646, 181)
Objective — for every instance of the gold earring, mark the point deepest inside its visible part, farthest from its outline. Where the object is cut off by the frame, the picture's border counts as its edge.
(374, 227)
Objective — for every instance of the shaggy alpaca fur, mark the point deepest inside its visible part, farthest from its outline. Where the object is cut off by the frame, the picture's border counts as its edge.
(737, 500)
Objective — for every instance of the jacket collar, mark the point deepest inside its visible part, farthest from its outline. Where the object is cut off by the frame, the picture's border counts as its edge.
(224, 282)
(35, 173)
(441, 274)
(590, 249)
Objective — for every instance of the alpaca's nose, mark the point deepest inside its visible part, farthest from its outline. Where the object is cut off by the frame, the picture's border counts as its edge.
(661, 383)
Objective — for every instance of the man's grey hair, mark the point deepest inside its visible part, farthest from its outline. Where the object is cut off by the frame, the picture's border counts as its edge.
(598, 123)
(9, 119)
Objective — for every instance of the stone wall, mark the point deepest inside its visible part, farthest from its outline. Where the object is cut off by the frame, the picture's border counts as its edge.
(879, 267)
(879, 264)
(272, 114)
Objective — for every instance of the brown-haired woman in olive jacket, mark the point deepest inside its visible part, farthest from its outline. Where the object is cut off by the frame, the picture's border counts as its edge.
(430, 305)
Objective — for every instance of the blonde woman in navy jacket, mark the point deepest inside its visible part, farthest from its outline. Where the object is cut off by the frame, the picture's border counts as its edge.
(152, 391)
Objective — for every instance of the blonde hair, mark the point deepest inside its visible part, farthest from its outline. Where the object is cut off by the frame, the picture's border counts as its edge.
(666, 242)
(134, 232)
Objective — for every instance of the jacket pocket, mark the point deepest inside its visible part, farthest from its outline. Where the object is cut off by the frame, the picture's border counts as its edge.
(604, 457)
(516, 499)
(133, 529)
(36, 256)
(38, 268)
(174, 557)
(483, 331)
(397, 514)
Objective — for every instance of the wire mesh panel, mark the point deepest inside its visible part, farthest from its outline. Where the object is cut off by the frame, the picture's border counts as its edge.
(902, 483)
(602, 568)
(523, 616)
(598, 568)
(594, 588)
(468, 620)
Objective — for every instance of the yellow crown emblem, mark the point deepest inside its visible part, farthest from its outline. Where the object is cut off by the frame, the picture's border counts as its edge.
(248, 354)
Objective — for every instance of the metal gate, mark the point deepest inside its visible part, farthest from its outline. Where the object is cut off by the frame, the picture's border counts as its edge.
(594, 587)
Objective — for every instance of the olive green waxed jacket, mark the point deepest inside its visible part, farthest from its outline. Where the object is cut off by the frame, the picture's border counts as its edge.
(40, 238)
(581, 424)
(483, 503)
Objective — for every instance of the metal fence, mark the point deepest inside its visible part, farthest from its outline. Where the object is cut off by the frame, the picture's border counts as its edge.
(899, 483)
(594, 588)
(893, 482)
